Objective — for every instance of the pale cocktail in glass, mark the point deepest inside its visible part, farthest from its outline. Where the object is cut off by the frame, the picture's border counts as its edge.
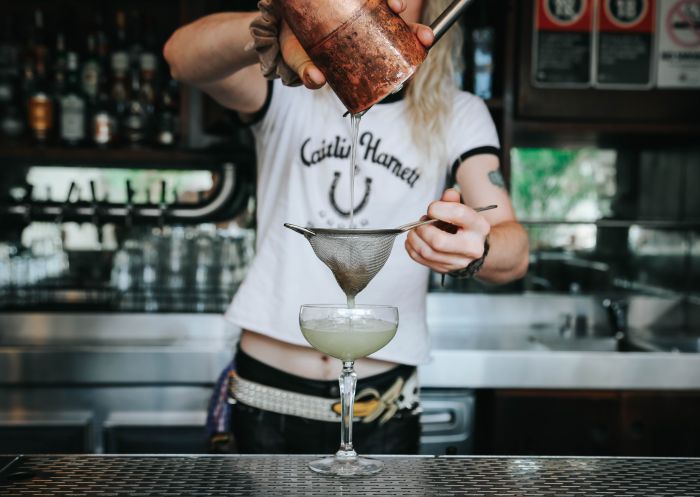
(348, 334)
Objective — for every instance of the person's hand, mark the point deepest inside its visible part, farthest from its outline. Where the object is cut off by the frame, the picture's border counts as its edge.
(453, 242)
(296, 57)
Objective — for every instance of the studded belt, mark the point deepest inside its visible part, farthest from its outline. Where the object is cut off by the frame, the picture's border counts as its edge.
(370, 404)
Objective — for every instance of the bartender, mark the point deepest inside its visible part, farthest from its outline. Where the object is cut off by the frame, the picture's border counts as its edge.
(409, 144)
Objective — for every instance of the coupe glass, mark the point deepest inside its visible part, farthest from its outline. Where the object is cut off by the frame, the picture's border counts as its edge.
(348, 334)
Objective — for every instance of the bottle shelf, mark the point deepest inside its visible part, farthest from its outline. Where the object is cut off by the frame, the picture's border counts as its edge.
(584, 133)
(494, 104)
(665, 224)
(151, 157)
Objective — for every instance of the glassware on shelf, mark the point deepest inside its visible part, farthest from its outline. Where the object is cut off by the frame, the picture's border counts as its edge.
(231, 264)
(204, 259)
(179, 269)
(150, 273)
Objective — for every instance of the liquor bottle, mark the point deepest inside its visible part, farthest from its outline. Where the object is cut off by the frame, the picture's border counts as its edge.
(12, 120)
(9, 62)
(27, 78)
(102, 41)
(104, 122)
(40, 103)
(38, 47)
(119, 90)
(9, 48)
(11, 113)
(120, 35)
(60, 65)
(134, 124)
(92, 70)
(135, 36)
(73, 106)
(166, 127)
(147, 92)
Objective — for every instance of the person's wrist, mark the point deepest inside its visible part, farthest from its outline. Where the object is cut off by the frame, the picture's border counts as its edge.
(474, 266)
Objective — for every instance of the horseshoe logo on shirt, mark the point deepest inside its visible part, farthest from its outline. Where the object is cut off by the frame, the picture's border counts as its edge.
(358, 208)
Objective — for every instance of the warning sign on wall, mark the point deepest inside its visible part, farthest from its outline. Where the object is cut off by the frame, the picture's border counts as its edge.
(624, 43)
(678, 64)
(562, 47)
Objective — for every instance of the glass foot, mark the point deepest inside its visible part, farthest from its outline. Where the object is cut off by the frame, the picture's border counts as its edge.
(347, 466)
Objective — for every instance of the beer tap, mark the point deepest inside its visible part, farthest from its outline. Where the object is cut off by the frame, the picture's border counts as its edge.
(128, 221)
(163, 207)
(66, 203)
(27, 201)
(96, 212)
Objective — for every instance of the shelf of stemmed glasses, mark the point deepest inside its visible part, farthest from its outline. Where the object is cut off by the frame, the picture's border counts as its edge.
(55, 298)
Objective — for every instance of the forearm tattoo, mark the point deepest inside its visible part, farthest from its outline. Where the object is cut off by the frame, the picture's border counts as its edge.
(496, 179)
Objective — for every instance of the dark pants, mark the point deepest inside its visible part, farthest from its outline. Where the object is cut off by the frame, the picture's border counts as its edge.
(263, 432)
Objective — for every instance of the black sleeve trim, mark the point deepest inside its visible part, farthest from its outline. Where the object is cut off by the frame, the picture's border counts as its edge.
(258, 116)
(470, 153)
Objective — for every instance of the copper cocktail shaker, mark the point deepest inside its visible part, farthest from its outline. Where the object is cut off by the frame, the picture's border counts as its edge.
(365, 50)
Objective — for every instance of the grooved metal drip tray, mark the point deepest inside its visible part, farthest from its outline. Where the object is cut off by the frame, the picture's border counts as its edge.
(288, 476)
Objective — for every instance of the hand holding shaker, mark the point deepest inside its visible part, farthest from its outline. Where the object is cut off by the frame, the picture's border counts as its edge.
(363, 48)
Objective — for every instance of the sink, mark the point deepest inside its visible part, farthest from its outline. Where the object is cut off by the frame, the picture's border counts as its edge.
(557, 322)
(684, 341)
(517, 338)
(586, 341)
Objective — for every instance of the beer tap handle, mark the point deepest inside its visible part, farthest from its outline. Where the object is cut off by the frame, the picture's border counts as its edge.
(66, 203)
(129, 204)
(96, 211)
(129, 192)
(71, 189)
(163, 205)
(163, 193)
(27, 201)
(93, 191)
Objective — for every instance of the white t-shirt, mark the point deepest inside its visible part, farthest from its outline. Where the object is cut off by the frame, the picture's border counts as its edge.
(303, 154)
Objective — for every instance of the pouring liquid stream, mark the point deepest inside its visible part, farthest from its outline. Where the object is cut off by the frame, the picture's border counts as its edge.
(355, 131)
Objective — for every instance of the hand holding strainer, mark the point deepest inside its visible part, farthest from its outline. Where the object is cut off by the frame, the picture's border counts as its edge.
(355, 256)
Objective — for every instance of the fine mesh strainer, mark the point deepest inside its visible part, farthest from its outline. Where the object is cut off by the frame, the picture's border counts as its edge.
(355, 256)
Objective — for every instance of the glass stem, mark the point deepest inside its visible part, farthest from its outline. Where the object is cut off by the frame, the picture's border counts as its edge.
(348, 381)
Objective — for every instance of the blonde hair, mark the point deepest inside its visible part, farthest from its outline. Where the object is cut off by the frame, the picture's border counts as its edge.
(429, 95)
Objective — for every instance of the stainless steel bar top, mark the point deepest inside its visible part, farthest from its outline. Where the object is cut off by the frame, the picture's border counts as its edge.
(403, 476)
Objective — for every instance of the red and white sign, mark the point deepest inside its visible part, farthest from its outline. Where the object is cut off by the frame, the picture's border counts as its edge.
(626, 16)
(564, 15)
(678, 63)
(563, 43)
(625, 44)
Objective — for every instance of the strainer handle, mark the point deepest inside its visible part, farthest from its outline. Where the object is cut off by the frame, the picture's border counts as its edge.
(299, 229)
(410, 226)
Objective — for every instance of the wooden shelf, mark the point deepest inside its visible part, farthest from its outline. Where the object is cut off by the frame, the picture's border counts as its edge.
(689, 224)
(494, 104)
(155, 158)
(599, 133)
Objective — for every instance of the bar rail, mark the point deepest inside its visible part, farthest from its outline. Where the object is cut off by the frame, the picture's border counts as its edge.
(289, 476)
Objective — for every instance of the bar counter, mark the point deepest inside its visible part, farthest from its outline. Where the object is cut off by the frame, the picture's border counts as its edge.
(404, 476)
